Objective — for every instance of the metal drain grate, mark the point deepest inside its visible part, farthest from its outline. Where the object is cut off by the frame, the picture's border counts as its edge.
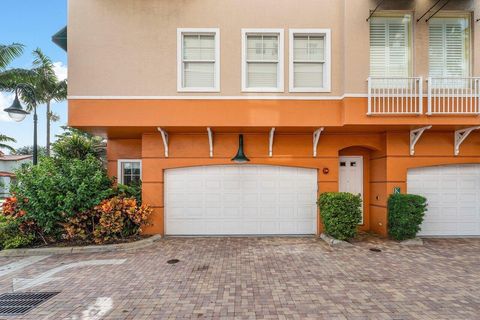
(18, 303)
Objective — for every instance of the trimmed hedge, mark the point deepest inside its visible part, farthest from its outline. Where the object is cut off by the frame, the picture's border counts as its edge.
(405, 215)
(341, 213)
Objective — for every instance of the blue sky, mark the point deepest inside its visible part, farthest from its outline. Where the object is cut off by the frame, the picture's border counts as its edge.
(32, 23)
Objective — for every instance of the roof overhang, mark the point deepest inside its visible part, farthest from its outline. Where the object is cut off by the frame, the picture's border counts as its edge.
(60, 38)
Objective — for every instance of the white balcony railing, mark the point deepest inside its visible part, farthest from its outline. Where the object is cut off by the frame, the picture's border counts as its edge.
(454, 96)
(395, 96)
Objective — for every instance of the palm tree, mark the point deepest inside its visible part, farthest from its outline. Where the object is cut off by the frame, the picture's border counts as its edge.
(3, 142)
(9, 78)
(47, 87)
(8, 53)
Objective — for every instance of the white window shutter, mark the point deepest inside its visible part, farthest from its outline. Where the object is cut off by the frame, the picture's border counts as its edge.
(448, 47)
(390, 47)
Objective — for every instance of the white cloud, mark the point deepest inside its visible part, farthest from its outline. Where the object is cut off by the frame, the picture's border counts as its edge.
(61, 70)
(6, 100)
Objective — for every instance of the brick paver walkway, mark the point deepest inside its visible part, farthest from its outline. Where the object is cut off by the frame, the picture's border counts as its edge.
(266, 278)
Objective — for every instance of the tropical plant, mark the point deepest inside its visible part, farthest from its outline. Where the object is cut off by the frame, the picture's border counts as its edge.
(15, 230)
(74, 143)
(11, 77)
(47, 88)
(133, 190)
(405, 215)
(8, 53)
(341, 213)
(4, 142)
(11, 236)
(112, 219)
(57, 188)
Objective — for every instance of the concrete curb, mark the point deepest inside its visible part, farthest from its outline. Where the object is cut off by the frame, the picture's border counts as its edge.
(332, 242)
(412, 242)
(129, 246)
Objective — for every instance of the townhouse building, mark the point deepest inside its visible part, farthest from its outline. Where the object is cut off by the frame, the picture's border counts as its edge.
(236, 115)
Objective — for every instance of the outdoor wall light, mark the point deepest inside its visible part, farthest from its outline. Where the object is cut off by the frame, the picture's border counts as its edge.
(325, 170)
(240, 157)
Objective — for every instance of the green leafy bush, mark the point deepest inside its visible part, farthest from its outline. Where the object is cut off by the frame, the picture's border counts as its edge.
(130, 191)
(11, 234)
(57, 188)
(341, 213)
(77, 144)
(405, 215)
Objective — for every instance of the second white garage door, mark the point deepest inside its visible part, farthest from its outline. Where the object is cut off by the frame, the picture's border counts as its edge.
(240, 200)
(453, 195)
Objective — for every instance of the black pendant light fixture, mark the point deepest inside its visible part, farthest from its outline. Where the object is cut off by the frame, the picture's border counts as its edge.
(240, 157)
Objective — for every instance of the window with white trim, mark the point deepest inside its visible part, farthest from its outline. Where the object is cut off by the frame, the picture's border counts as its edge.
(198, 60)
(309, 60)
(390, 46)
(129, 171)
(262, 65)
(449, 40)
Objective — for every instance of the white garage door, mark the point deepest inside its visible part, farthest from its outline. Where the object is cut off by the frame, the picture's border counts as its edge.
(240, 200)
(453, 194)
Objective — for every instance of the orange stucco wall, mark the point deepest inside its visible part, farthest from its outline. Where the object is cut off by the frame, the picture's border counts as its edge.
(386, 161)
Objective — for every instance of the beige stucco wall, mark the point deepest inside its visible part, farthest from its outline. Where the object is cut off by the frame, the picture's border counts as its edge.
(128, 47)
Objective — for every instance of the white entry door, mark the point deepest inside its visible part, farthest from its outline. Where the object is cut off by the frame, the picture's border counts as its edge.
(240, 200)
(453, 198)
(350, 176)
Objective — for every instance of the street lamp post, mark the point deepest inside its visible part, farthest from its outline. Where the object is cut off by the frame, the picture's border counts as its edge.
(18, 113)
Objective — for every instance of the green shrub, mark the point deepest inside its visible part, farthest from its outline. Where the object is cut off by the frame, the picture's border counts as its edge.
(58, 188)
(76, 144)
(130, 191)
(11, 236)
(341, 213)
(405, 215)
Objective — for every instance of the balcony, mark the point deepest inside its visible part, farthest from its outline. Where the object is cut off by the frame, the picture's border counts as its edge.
(395, 96)
(450, 96)
(404, 96)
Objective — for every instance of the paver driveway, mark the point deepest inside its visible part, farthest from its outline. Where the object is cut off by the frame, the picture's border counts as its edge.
(266, 278)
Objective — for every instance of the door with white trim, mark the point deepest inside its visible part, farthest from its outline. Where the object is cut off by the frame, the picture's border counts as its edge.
(350, 176)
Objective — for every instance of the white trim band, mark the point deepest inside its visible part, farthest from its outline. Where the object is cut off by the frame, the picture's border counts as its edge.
(347, 95)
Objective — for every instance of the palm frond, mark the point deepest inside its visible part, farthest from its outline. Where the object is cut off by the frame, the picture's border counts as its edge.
(60, 91)
(10, 78)
(4, 138)
(9, 52)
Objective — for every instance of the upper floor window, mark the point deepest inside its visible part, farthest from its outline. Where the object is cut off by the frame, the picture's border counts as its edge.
(262, 60)
(198, 56)
(129, 171)
(390, 46)
(309, 60)
(449, 42)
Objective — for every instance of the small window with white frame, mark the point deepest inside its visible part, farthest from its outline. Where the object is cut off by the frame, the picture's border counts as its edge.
(129, 171)
(310, 60)
(262, 60)
(198, 60)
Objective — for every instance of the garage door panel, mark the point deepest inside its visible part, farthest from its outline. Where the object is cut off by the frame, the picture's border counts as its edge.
(242, 200)
(213, 213)
(452, 194)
